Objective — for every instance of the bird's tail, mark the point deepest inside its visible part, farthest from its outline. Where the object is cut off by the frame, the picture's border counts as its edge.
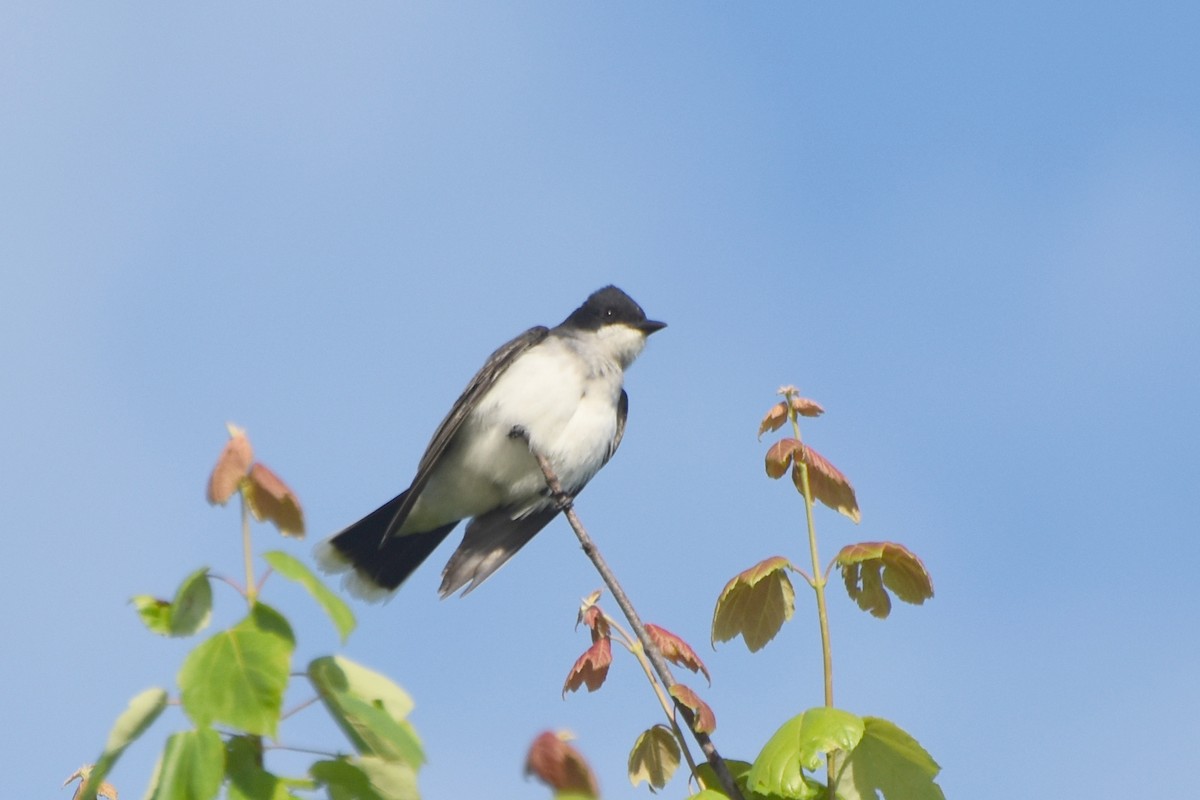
(375, 564)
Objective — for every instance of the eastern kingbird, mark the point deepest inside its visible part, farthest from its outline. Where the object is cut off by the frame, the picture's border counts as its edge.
(556, 392)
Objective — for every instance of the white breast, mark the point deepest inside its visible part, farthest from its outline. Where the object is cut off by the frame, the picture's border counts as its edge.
(567, 406)
(568, 413)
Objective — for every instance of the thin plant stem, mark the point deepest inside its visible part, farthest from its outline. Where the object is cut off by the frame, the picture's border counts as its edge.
(248, 556)
(293, 749)
(635, 623)
(818, 582)
(224, 579)
(300, 707)
(639, 652)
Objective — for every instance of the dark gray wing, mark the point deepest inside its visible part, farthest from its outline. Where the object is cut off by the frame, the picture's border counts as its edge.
(622, 413)
(496, 364)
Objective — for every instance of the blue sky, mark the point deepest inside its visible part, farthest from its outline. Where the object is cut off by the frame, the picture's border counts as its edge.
(970, 232)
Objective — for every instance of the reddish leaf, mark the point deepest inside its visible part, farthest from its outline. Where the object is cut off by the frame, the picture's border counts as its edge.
(703, 719)
(774, 418)
(755, 604)
(778, 413)
(232, 465)
(780, 455)
(676, 650)
(869, 569)
(593, 617)
(591, 668)
(560, 766)
(271, 499)
(827, 483)
(597, 622)
(806, 408)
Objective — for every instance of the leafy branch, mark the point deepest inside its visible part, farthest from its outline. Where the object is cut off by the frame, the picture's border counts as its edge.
(231, 686)
(862, 755)
(696, 714)
(656, 753)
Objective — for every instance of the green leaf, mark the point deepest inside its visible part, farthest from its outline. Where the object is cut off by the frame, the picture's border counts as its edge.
(868, 567)
(800, 742)
(654, 758)
(238, 676)
(292, 569)
(367, 778)
(247, 778)
(737, 770)
(187, 614)
(392, 780)
(369, 709)
(132, 723)
(191, 767)
(891, 762)
(755, 604)
(306, 783)
(155, 613)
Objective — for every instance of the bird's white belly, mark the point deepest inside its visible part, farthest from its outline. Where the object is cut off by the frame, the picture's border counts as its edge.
(569, 417)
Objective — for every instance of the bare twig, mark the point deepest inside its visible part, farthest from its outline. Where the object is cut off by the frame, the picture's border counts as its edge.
(652, 652)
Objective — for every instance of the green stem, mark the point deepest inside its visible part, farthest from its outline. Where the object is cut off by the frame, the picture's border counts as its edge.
(820, 579)
(818, 584)
(248, 556)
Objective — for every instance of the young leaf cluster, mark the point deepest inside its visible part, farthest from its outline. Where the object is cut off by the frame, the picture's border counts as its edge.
(232, 685)
(657, 751)
(863, 756)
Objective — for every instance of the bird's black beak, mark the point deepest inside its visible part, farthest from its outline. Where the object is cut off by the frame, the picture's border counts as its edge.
(649, 326)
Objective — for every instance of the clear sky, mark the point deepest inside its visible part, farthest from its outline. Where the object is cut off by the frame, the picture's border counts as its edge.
(971, 231)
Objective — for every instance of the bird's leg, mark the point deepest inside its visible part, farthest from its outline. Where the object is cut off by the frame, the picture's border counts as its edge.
(562, 500)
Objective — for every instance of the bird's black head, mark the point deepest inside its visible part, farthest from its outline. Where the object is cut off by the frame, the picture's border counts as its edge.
(611, 306)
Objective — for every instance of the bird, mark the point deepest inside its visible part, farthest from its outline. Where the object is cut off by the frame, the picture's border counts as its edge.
(556, 392)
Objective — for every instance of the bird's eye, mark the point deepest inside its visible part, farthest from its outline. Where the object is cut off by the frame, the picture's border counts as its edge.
(609, 313)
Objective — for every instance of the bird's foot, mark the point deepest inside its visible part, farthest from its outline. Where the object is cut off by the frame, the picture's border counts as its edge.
(561, 501)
